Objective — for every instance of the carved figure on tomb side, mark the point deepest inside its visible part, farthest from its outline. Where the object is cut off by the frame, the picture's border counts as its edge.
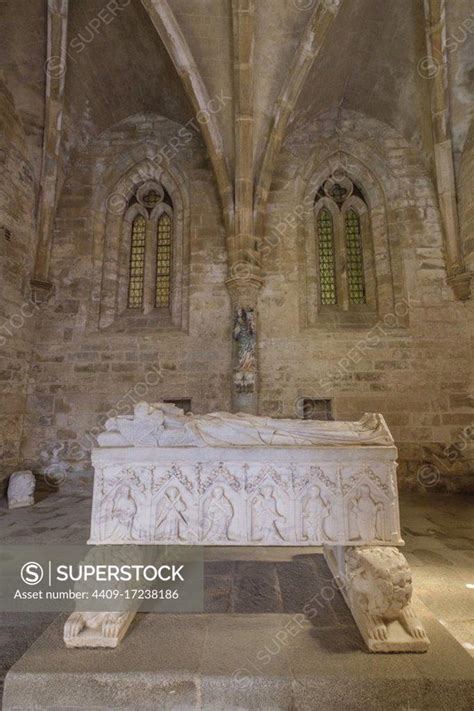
(218, 516)
(315, 514)
(171, 522)
(366, 516)
(124, 510)
(267, 519)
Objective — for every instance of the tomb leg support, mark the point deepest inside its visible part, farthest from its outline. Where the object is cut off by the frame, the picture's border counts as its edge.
(97, 629)
(376, 583)
(105, 628)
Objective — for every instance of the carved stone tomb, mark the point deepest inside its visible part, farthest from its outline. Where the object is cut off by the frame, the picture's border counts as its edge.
(163, 477)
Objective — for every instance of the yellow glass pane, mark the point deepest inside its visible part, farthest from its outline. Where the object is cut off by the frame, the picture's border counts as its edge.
(327, 261)
(163, 263)
(137, 263)
(355, 259)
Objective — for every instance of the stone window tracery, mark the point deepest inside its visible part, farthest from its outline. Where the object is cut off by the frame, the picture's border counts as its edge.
(151, 238)
(144, 250)
(340, 209)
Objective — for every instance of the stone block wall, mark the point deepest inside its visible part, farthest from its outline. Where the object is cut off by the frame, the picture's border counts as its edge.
(17, 312)
(81, 373)
(411, 363)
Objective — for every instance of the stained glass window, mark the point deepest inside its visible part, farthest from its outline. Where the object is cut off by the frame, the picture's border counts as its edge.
(163, 262)
(137, 263)
(327, 263)
(355, 262)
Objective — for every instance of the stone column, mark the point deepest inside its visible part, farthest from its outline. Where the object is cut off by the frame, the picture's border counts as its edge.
(244, 296)
(435, 68)
(55, 68)
(244, 280)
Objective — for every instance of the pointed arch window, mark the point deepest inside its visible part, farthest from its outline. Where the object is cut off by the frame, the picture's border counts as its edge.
(150, 244)
(145, 265)
(341, 220)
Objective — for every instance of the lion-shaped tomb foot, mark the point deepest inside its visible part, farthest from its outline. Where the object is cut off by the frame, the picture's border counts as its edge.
(376, 583)
(97, 629)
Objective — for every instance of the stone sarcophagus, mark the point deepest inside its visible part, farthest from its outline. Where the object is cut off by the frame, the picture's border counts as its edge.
(163, 477)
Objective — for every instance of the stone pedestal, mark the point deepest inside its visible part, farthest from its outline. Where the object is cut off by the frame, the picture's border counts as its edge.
(240, 661)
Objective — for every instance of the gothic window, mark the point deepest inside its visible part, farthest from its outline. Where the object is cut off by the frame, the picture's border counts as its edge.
(340, 209)
(150, 272)
(145, 265)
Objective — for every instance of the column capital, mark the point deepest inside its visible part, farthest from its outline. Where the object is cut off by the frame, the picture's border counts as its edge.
(41, 290)
(462, 284)
(244, 291)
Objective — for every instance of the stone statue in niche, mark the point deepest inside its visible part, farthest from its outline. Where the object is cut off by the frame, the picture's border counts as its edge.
(267, 520)
(365, 516)
(315, 514)
(21, 487)
(171, 522)
(245, 334)
(218, 516)
(124, 510)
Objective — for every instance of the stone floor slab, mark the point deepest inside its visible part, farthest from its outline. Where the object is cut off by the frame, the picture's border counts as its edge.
(240, 661)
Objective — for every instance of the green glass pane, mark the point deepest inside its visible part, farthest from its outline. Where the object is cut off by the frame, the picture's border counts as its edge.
(163, 263)
(355, 260)
(327, 261)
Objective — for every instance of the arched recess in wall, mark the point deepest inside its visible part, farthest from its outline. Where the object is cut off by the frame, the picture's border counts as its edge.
(141, 227)
(466, 200)
(345, 204)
